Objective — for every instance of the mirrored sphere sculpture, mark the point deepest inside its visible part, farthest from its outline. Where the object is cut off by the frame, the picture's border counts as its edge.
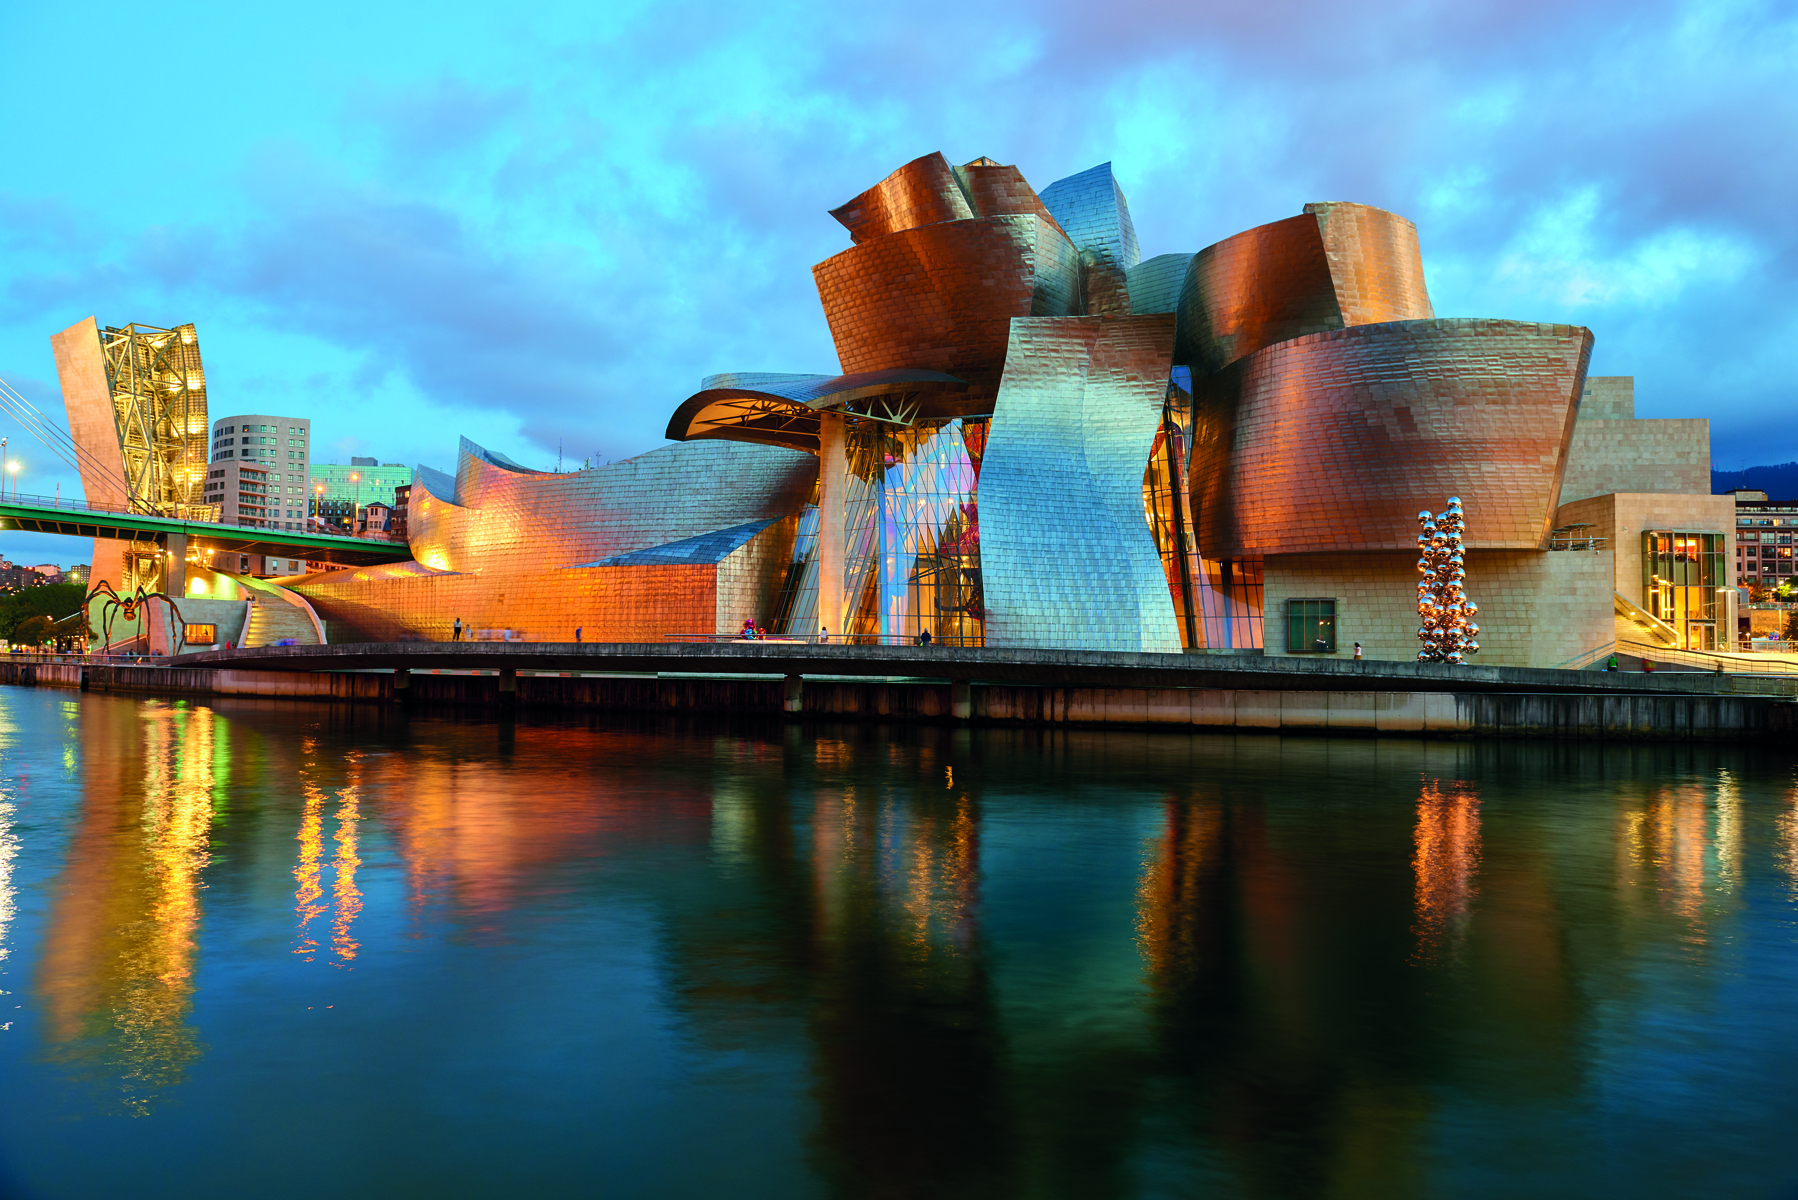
(1448, 630)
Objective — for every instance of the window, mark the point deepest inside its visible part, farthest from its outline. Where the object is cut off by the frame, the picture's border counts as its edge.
(201, 635)
(1311, 626)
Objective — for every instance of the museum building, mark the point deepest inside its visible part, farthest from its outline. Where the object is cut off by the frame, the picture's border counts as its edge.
(1040, 439)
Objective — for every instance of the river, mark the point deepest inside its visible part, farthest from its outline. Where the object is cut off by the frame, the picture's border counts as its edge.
(273, 949)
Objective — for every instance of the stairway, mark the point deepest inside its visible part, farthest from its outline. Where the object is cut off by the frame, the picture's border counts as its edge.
(277, 614)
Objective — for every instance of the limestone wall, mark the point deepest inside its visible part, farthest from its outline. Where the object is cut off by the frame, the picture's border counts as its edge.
(1537, 609)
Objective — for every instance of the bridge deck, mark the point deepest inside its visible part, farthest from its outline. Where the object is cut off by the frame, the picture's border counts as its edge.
(71, 518)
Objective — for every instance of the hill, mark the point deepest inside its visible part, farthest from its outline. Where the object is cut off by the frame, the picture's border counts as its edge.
(1779, 481)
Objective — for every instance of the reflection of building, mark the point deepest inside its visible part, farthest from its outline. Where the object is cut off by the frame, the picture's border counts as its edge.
(136, 401)
(1039, 439)
(339, 492)
(117, 970)
(258, 471)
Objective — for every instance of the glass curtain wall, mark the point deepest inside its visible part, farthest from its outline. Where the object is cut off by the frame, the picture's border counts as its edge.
(1217, 602)
(912, 531)
(799, 592)
(1681, 573)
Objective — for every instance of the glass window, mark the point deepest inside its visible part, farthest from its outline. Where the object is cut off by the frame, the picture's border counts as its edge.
(201, 635)
(1310, 626)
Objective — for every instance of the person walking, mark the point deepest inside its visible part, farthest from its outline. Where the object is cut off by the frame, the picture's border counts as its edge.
(458, 629)
(924, 638)
(577, 634)
(823, 636)
(1357, 651)
(1612, 665)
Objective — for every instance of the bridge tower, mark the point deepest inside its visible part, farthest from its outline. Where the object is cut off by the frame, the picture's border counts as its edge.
(136, 400)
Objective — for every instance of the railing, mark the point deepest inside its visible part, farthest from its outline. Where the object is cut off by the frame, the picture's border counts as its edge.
(864, 639)
(1725, 663)
(1581, 661)
(65, 504)
(54, 656)
(1643, 617)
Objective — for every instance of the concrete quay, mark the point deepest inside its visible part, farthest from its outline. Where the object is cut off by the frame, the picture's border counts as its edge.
(1034, 688)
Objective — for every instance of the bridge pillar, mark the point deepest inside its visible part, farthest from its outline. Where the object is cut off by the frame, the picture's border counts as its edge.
(402, 685)
(508, 687)
(794, 702)
(961, 699)
(174, 574)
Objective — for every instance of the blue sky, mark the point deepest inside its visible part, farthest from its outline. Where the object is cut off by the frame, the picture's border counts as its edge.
(543, 224)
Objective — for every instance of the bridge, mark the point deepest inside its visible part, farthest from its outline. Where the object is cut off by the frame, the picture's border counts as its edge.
(79, 518)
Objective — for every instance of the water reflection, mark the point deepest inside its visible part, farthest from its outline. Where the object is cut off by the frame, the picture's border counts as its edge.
(987, 964)
(1447, 856)
(117, 972)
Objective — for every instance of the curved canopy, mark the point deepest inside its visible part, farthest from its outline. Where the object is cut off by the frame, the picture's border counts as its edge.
(782, 410)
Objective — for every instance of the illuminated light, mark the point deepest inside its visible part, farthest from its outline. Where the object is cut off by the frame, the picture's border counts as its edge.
(197, 587)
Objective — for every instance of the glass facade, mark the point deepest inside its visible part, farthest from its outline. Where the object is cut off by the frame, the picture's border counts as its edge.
(1310, 626)
(1681, 572)
(1217, 603)
(911, 525)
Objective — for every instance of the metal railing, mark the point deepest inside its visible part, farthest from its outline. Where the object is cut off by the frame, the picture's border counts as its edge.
(863, 639)
(1726, 662)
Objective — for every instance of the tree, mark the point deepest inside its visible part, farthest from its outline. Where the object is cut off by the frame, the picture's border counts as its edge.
(53, 600)
(33, 631)
(1790, 632)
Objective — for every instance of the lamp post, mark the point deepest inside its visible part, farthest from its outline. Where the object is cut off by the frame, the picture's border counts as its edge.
(12, 469)
(356, 508)
(3, 457)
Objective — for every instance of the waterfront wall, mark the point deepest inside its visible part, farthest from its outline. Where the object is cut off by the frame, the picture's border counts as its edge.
(1433, 714)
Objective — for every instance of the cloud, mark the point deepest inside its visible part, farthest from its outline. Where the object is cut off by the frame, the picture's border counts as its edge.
(557, 236)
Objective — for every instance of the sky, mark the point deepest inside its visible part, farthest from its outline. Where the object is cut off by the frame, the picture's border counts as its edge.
(538, 226)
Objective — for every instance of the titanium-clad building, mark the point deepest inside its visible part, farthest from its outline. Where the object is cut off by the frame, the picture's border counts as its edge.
(1037, 438)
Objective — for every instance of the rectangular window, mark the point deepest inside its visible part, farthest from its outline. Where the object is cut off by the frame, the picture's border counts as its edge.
(201, 635)
(1311, 626)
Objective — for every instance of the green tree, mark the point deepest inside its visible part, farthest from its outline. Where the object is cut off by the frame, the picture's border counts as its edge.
(53, 600)
(33, 631)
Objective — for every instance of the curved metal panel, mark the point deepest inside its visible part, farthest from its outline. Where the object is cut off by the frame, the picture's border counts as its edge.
(994, 190)
(782, 410)
(1091, 208)
(1335, 441)
(924, 191)
(1155, 283)
(942, 297)
(1375, 263)
(1265, 285)
(1068, 558)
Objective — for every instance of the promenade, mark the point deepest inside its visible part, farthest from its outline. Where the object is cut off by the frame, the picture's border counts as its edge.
(1217, 693)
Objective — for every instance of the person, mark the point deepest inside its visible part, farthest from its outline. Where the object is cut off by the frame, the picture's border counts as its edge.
(1647, 666)
(760, 633)
(748, 630)
(1357, 651)
(1321, 644)
(577, 633)
(1612, 665)
(924, 638)
(823, 636)
(458, 629)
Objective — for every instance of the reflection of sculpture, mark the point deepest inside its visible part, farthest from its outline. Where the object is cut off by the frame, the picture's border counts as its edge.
(1442, 604)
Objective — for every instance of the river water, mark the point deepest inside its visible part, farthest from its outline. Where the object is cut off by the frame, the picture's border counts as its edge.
(279, 950)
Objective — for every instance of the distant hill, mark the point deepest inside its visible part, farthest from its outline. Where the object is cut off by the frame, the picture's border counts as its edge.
(1779, 481)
